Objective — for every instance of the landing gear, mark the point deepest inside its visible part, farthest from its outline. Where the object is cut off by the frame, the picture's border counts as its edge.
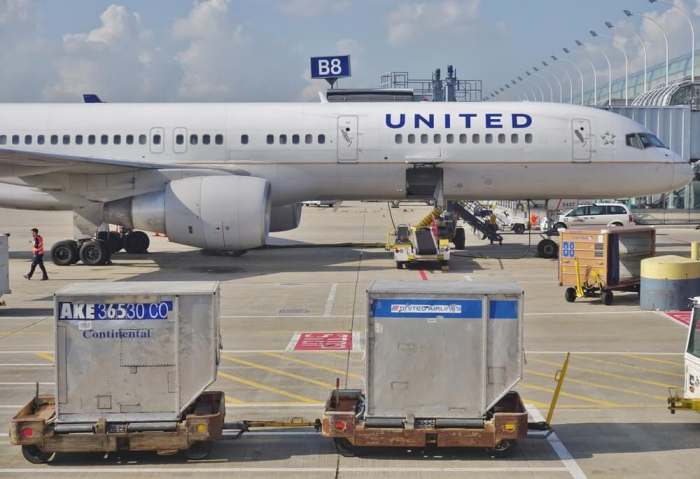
(65, 253)
(136, 242)
(94, 253)
(113, 239)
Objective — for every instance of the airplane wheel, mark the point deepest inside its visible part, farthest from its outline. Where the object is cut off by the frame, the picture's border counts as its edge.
(608, 298)
(459, 239)
(94, 253)
(65, 253)
(137, 242)
(114, 240)
(35, 455)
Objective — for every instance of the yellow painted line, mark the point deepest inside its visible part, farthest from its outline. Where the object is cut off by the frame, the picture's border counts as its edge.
(639, 368)
(265, 387)
(538, 404)
(654, 360)
(574, 396)
(47, 356)
(310, 364)
(599, 386)
(279, 372)
(232, 401)
(609, 375)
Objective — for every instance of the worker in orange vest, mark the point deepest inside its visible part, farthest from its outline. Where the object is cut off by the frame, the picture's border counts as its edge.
(37, 255)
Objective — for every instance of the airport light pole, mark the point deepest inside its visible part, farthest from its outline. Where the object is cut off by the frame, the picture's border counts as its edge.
(594, 34)
(580, 73)
(571, 80)
(542, 77)
(556, 79)
(607, 59)
(595, 73)
(660, 27)
(692, 33)
(644, 49)
(537, 87)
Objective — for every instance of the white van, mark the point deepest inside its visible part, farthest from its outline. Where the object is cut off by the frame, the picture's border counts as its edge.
(597, 214)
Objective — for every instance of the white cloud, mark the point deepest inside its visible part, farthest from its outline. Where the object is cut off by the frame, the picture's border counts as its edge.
(210, 62)
(15, 11)
(313, 8)
(412, 21)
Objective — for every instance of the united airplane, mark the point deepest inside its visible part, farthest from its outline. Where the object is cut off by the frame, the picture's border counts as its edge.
(222, 176)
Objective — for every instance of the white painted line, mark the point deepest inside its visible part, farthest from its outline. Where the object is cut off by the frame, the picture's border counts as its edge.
(287, 316)
(330, 302)
(559, 448)
(271, 470)
(27, 384)
(293, 341)
(22, 365)
(293, 405)
(468, 277)
(258, 351)
(11, 406)
(610, 353)
(357, 342)
(588, 313)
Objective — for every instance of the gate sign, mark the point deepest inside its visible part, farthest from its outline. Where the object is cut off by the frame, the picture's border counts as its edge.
(330, 67)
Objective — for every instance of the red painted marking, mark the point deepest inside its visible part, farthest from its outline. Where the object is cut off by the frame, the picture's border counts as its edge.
(423, 275)
(682, 317)
(321, 341)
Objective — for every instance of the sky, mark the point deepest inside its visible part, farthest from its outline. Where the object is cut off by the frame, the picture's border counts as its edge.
(258, 50)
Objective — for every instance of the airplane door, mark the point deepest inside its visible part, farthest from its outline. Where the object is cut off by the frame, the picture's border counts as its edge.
(347, 139)
(157, 140)
(581, 140)
(180, 140)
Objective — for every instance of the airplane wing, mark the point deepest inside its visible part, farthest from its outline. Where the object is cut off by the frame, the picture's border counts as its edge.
(28, 163)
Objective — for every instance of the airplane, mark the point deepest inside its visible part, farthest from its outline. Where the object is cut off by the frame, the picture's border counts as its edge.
(222, 176)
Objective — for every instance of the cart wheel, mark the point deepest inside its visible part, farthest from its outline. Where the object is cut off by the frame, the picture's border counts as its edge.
(548, 249)
(570, 295)
(502, 449)
(199, 450)
(608, 297)
(35, 455)
(343, 447)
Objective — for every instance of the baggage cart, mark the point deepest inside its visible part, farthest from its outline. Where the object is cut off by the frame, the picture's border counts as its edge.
(4, 266)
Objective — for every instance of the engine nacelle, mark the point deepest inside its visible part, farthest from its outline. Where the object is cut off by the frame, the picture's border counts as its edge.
(286, 217)
(210, 212)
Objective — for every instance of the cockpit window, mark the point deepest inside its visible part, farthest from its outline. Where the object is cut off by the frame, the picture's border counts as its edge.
(644, 140)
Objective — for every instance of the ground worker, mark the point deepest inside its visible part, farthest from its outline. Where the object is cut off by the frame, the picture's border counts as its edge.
(37, 255)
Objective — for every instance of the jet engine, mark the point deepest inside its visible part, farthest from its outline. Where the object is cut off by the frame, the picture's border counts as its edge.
(286, 217)
(230, 213)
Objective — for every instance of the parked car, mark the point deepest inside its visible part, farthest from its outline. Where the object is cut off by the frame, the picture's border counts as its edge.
(597, 214)
(322, 203)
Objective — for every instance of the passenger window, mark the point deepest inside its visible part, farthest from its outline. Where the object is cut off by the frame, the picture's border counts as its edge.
(463, 138)
(157, 139)
(219, 139)
(117, 139)
(78, 139)
(143, 139)
(92, 139)
(270, 139)
(244, 139)
(54, 139)
(321, 139)
(129, 139)
(194, 139)
(104, 139)
(476, 139)
(180, 139)
(501, 138)
(206, 139)
(283, 139)
(437, 138)
(66, 139)
(27, 139)
(40, 140)
(308, 139)
(295, 139)
(528, 138)
(3, 139)
(514, 138)
(411, 138)
(15, 139)
(488, 138)
(424, 138)
(595, 210)
(398, 138)
(580, 211)
(450, 138)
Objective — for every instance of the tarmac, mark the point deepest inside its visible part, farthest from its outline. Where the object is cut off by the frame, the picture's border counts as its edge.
(293, 321)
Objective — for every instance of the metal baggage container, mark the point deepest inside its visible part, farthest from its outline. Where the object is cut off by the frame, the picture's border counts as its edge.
(134, 351)
(443, 350)
(4, 264)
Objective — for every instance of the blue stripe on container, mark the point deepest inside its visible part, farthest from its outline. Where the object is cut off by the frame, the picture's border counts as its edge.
(402, 308)
(500, 309)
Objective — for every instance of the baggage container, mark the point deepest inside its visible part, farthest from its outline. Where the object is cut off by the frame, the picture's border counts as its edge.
(134, 352)
(4, 265)
(596, 262)
(441, 350)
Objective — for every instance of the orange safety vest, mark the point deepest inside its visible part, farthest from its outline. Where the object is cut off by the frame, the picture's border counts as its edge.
(38, 247)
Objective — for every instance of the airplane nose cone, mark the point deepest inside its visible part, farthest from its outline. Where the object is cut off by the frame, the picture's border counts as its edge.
(682, 175)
